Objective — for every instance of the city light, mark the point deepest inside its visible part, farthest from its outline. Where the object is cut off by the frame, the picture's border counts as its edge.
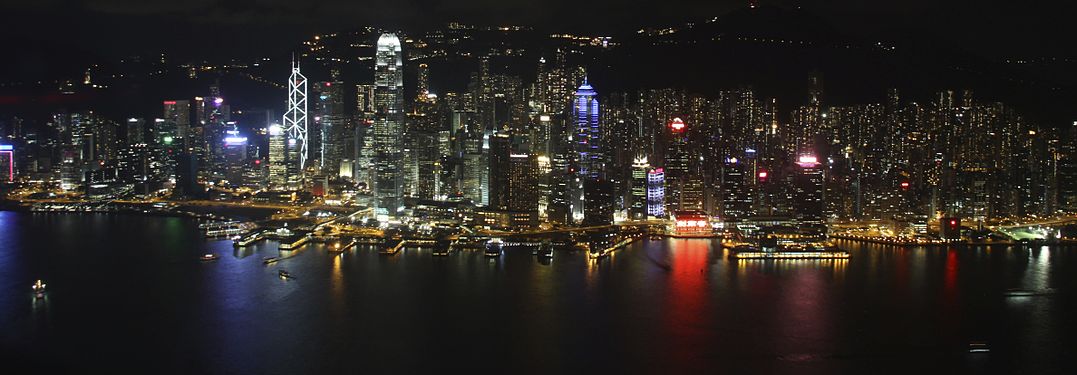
(677, 124)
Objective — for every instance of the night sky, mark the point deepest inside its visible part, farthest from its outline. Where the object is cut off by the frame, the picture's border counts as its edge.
(243, 28)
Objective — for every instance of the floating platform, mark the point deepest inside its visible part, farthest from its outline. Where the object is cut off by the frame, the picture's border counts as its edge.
(790, 255)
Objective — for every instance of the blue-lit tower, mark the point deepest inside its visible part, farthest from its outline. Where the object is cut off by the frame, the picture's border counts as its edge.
(588, 136)
(587, 157)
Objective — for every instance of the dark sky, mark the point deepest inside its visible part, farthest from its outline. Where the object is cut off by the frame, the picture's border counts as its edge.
(242, 27)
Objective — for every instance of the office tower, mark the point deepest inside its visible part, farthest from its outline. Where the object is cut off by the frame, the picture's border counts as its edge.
(7, 163)
(656, 193)
(587, 140)
(588, 162)
(422, 78)
(179, 113)
(598, 193)
(278, 169)
(498, 175)
(677, 164)
(523, 189)
(135, 131)
(428, 164)
(363, 137)
(295, 119)
(637, 209)
(735, 195)
(388, 124)
(235, 157)
(187, 185)
(329, 125)
(808, 191)
(1067, 169)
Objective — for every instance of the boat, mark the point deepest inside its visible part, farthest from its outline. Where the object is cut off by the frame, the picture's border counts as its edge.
(493, 248)
(285, 275)
(268, 260)
(545, 250)
(208, 257)
(1016, 292)
(39, 289)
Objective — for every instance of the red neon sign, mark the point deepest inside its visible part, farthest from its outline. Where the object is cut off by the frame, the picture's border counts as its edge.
(677, 124)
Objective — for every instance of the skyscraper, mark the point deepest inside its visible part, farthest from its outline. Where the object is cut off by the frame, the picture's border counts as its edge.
(295, 119)
(637, 209)
(278, 170)
(388, 124)
(808, 191)
(586, 149)
(656, 193)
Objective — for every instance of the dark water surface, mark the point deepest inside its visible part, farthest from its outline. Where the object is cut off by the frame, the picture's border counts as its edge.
(128, 293)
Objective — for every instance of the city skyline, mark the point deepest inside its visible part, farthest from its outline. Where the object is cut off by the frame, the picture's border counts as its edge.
(517, 187)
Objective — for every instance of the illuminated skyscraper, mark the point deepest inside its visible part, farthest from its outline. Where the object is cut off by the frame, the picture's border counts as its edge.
(587, 140)
(295, 119)
(388, 124)
(656, 193)
(329, 123)
(586, 149)
(7, 163)
(808, 191)
(637, 209)
(278, 170)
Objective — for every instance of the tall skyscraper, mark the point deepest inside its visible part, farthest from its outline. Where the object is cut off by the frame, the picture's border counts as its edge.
(656, 193)
(587, 140)
(586, 150)
(388, 124)
(329, 123)
(637, 209)
(278, 169)
(295, 119)
(808, 191)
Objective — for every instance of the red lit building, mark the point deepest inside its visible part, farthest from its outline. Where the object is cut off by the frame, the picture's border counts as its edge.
(691, 223)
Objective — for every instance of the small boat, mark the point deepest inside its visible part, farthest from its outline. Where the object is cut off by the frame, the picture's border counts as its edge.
(268, 260)
(208, 257)
(493, 248)
(285, 275)
(39, 289)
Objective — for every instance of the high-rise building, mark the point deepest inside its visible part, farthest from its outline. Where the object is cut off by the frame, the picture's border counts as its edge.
(295, 118)
(637, 209)
(135, 131)
(587, 140)
(7, 163)
(278, 168)
(235, 157)
(388, 124)
(656, 193)
(678, 162)
(179, 112)
(808, 191)
(588, 162)
(523, 189)
(735, 196)
(329, 124)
